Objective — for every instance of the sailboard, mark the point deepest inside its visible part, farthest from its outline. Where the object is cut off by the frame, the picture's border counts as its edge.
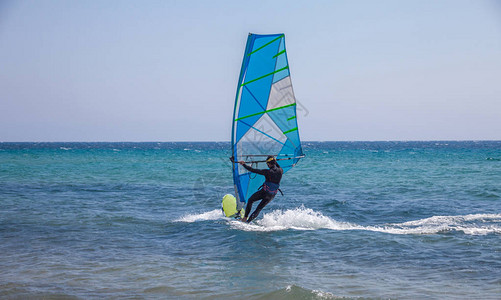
(264, 117)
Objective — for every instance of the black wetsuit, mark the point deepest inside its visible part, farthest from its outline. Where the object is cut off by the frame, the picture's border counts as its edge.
(273, 175)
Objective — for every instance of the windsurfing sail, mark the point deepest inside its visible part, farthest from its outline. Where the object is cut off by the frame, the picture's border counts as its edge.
(264, 119)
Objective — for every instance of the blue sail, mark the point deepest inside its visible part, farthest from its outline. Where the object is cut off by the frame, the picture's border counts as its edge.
(264, 119)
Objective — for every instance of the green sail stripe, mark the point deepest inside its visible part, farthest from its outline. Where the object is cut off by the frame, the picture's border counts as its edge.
(265, 45)
(262, 112)
(265, 75)
(279, 53)
(291, 118)
(293, 129)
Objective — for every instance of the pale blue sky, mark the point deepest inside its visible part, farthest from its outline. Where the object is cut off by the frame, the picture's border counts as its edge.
(168, 70)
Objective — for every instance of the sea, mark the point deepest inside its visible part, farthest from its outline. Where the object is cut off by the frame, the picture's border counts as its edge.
(358, 220)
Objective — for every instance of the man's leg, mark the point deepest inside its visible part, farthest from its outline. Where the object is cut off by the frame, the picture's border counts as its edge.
(267, 199)
(255, 197)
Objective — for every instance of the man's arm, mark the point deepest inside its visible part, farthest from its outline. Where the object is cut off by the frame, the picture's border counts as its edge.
(251, 169)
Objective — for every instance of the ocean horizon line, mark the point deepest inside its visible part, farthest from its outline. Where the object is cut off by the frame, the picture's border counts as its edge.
(201, 141)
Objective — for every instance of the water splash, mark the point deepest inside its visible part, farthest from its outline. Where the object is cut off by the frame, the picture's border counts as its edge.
(299, 219)
(307, 219)
(215, 214)
(302, 218)
(473, 224)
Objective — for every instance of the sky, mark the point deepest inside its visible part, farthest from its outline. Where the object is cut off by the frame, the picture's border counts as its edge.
(168, 70)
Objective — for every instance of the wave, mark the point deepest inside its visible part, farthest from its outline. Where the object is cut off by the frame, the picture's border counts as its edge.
(308, 219)
(302, 218)
(296, 292)
(215, 214)
(473, 224)
(299, 219)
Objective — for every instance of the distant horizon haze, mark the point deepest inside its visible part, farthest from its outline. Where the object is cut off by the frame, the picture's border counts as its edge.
(229, 141)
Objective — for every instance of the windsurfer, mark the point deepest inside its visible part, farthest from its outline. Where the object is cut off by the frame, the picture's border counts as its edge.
(268, 190)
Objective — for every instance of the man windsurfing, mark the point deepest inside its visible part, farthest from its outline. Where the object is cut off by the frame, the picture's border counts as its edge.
(268, 190)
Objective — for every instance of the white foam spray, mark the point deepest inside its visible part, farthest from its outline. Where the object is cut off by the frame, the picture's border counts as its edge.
(299, 219)
(307, 219)
(473, 224)
(215, 214)
(302, 218)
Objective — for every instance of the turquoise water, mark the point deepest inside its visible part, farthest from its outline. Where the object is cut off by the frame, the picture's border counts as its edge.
(406, 220)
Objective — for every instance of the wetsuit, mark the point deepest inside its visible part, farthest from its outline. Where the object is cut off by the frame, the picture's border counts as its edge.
(267, 193)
